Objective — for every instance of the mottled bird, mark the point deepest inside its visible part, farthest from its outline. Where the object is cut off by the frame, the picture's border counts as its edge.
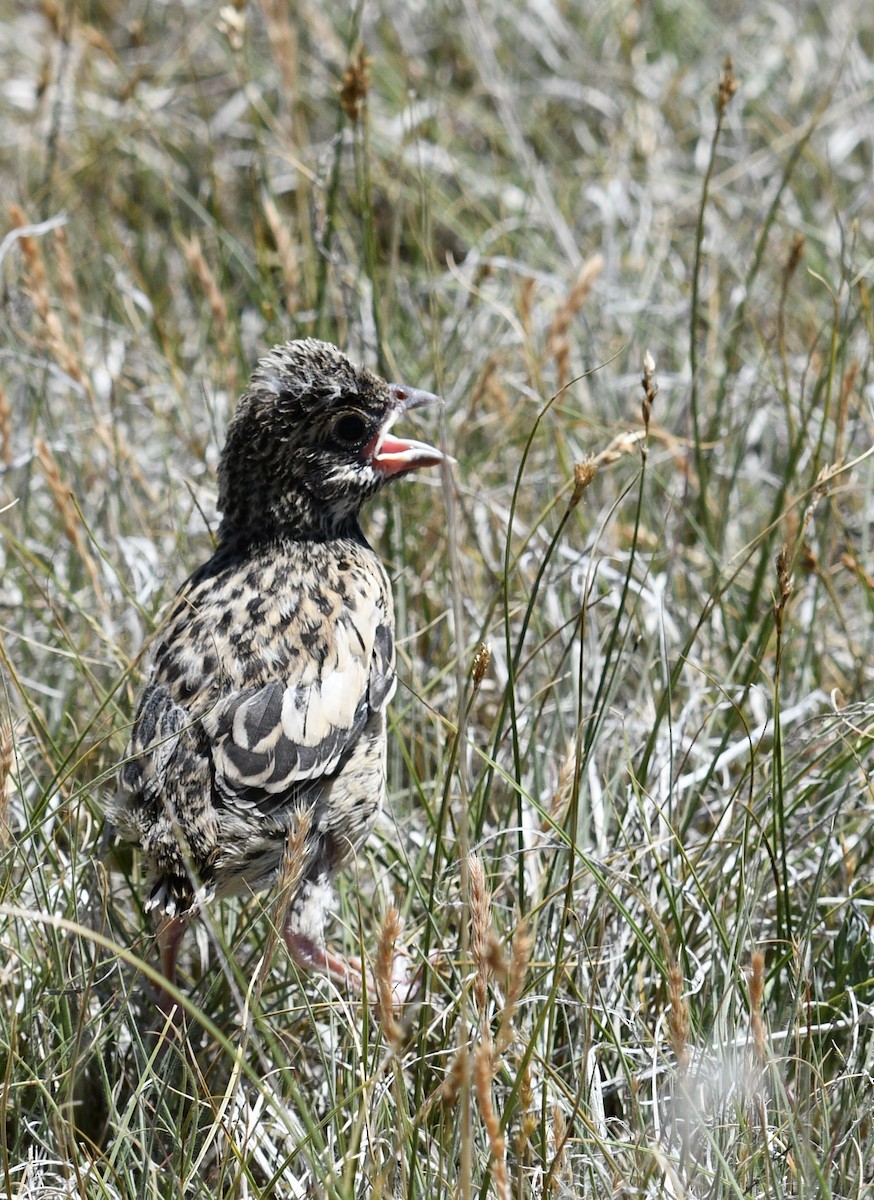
(264, 710)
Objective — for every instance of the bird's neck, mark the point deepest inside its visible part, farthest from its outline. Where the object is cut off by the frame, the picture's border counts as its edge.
(266, 530)
(263, 515)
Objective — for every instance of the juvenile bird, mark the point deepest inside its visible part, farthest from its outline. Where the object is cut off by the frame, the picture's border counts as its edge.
(271, 674)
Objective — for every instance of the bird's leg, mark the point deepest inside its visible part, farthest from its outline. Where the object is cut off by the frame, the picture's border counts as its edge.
(312, 957)
(170, 931)
(305, 919)
(302, 931)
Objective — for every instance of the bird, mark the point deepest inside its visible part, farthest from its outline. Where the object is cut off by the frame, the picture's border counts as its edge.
(263, 713)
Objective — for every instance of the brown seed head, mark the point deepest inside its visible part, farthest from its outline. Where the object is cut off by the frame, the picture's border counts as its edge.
(356, 82)
(728, 85)
(482, 660)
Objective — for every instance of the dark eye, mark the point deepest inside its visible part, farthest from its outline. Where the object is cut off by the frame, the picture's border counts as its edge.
(350, 429)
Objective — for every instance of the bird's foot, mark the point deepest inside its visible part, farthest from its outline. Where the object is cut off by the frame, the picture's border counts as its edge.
(311, 957)
(402, 986)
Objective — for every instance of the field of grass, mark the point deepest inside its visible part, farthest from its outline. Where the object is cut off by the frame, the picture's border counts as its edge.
(631, 773)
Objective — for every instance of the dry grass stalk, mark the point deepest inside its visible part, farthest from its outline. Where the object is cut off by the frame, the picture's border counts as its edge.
(36, 272)
(522, 943)
(561, 1175)
(848, 385)
(678, 1018)
(293, 864)
(528, 1123)
(557, 341)
(283, 44)
(194, 256)
(525, 303)
(618, 447)
(498, 966)
(482, 1082)
(561, 797)
(69, 289)
(757, 991)
(488, 387)
(852, 563)
(5, 428)
(388, 936)
(285, 253)
(68, 512)
(38, 291)
(7, 754)
(796, 253)
(794, 257)
(480, 924)
(457, 1077)
(290, 874)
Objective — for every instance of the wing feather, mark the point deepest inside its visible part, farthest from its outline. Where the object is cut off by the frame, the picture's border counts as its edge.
(298, 729)
(153, 743)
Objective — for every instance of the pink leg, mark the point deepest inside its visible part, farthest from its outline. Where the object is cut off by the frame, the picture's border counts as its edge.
(170, 931)
(311, 957)
(405, 981)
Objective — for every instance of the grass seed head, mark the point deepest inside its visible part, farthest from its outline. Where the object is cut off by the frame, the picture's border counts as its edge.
(355, 85)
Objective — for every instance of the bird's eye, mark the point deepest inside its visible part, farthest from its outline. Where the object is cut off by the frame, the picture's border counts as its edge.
(350, 429)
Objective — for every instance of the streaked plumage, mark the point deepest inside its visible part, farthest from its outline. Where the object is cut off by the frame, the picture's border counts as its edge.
(272, 672)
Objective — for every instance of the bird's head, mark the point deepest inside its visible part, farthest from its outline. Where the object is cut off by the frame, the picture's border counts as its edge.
(310, 441)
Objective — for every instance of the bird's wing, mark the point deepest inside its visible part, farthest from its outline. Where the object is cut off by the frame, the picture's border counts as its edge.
(298, 729)
(154, 742)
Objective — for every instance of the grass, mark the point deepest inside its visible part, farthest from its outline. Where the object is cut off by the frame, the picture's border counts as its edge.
(630, 821)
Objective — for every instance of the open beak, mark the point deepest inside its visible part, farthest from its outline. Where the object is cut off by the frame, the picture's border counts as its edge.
(396, 456)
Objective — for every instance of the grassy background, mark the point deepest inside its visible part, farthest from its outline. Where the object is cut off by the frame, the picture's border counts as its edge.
(641, 841)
